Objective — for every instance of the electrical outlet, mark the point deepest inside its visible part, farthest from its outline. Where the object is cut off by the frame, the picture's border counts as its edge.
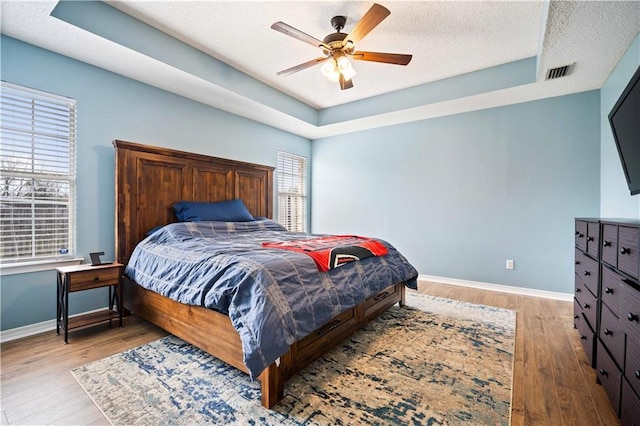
(509, 264)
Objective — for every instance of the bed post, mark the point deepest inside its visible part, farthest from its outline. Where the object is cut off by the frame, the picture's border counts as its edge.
(272, 385)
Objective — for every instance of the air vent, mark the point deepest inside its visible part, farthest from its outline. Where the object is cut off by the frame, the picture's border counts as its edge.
(557, 72)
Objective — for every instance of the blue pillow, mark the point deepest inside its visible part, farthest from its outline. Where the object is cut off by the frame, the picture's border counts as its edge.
(223, 211)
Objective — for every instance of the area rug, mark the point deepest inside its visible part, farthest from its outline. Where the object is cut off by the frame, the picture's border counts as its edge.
(435, 361)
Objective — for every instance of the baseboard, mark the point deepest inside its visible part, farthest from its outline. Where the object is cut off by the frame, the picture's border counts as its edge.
(499, 287)
(33, 329)
(50, 325)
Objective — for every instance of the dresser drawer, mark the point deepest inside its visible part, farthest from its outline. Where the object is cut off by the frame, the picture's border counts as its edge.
(589, 303)
(610, 244)
(581, 235)
(590, 273)
(579, 261)
(586, 336)
(581, 292)
(632, 362)
(628, 250)
(100, 277)
(578, 318)
(610, 377)
(629, 406)
(593, 238)
(611, 289)
(612, 335)
(630, 310)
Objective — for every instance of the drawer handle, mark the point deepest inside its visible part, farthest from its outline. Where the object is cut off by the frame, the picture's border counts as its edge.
(607, 332)
(96, 278)
(583, 337)
(603, 372)
(637, 374)
(632, 317)
(577, 262)
(607, 244)
(608, 290)
(577, 232)
(589, 238)
(576, 316)
(625, 250)
(587, 273)
(578, 290)
(586, 306)
(580, 235)
(381, 296)
(327, 328)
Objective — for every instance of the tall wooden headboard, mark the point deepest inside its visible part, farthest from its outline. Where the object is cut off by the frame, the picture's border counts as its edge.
(149, 180)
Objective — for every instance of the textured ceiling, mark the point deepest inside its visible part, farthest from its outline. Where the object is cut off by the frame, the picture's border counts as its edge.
(448, 39)
(445, 39)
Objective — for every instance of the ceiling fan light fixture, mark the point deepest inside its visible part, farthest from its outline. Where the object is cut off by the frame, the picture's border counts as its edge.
(338, 46)
(345, 67)
(330, 70)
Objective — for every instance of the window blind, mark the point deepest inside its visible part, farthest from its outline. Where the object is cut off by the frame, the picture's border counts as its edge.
(37, 174)
(292, 192)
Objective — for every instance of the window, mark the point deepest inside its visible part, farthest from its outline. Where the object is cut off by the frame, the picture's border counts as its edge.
(292, 192)
(37, 175)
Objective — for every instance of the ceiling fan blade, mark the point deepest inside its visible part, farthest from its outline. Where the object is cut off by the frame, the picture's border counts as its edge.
(296, 33)
(369, 21)
(344, 83)
(302, 66)
(387, 58)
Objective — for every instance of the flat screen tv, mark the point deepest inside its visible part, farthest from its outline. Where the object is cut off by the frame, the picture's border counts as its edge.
(624, 119)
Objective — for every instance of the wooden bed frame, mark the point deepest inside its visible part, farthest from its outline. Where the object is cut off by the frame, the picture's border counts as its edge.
(149, 180)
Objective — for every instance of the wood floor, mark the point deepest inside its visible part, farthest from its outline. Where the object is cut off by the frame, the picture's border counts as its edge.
(552, 385)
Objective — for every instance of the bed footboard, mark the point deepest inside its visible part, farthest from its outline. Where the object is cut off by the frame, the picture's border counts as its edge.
(193, 324)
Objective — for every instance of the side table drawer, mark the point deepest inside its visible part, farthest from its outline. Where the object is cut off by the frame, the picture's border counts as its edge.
(93, 279)
(75, 278)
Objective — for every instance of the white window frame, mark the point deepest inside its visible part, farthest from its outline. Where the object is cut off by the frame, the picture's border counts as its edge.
(292, 191)
(49, 137)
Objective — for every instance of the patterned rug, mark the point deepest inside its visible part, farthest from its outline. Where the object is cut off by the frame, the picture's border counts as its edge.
(436, 361)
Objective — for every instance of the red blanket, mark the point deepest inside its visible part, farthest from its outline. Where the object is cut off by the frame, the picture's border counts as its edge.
(333, 251)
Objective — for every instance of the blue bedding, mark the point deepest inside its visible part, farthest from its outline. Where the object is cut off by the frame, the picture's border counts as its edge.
(273, 297)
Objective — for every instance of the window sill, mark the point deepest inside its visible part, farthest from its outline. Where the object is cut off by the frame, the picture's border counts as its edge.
(36, 266)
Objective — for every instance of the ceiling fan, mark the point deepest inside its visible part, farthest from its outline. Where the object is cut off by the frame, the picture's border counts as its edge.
(338, 47)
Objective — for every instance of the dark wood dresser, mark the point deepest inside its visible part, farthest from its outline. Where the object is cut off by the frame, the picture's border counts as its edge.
(607, 307)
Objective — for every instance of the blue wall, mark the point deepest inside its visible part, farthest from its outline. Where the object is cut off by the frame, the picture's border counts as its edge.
(459, 195)
(616, 200)
(114, 107)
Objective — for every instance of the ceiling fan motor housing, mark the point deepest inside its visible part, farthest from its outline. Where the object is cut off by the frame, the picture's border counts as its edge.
(334, 40)
(338, 22)
(336, 47)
